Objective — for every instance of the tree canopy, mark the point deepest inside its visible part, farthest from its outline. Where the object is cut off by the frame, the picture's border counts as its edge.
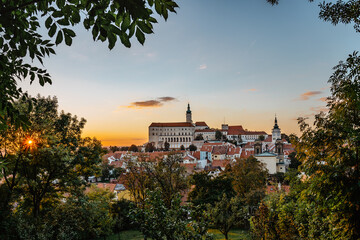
(20, 38)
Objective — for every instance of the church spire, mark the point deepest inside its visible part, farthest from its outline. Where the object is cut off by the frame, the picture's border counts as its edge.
(188, 114)
(276, 132)
(276, 124)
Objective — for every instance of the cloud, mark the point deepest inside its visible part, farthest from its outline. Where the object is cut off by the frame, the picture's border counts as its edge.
(319, 109)
(166, 99)
(323, 99)
(145, 104)
(153, 103)
(251, 90)
(306, 96)
(203, 66)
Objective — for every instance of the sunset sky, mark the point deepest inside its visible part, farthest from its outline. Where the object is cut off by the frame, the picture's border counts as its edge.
(238, 62)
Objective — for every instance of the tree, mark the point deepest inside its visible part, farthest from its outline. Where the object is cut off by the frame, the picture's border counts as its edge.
(114, 148)
(192, 148)
(167, 146)
(133, 148)
(227, 213)
(218, 135)
(209, 190)
(294, 162)
(261, 137)
(149, 147)
(120, 213)
(339, 12)
(158, 220)
(49, 157)
(182, 148)
(106, 170)
(45, 161)
(248, 179)
(199, 137)
(329, 156)
(20, 37)
(164, 173)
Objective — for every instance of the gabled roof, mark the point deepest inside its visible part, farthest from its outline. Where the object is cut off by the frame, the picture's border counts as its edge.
(220, 163)
(236, 130)
(219, 150)
(239, 130)
(172, 124)
(201, 124)
(196, 154)
(233, 150)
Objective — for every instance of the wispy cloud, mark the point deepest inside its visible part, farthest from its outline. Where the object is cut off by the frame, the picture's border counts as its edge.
(306, 95)
(203, 66)
(323, 99)
(152, 103)
(319, 109)
(251, 90)
(167, 99)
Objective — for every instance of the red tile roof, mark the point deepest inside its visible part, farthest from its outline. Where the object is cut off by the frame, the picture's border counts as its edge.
(117, 164)
(246, 153)
(219, 150)
(201, 124)
(236, 130)
(239, 130)
(196, 154)
(189, 167)
(268, 139)
(172, 124)
(233, 150)
(220, 163)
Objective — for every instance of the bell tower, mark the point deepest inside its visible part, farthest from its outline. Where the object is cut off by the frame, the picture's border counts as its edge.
(188, 114)
(276, 132)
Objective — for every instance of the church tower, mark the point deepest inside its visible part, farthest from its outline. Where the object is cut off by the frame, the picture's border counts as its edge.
(188, 114)
(276, 132)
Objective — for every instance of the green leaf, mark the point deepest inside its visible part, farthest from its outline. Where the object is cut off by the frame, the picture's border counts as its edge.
(151, 2)
(95, 32)
(144, 27)
(60, 3)
(158, 7)
(125, 40)
(63, 22)
(48, 22)
(112, 40)
(59, 38)
(68, 40)
(69, 32)
(126, 22)
(132, 29)
(41, 80)
(165, 12)
(52, 30)
(76, 17)
(57, 14)
(140, 36)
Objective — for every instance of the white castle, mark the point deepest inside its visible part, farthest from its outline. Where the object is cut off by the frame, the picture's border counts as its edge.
(184, 133)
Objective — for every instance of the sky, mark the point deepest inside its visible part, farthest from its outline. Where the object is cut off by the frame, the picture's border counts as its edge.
(235, 62)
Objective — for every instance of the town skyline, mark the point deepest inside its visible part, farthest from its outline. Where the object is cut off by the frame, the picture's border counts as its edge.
(242, 61)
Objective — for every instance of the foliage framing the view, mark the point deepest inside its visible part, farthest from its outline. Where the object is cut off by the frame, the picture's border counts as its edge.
(108, 20)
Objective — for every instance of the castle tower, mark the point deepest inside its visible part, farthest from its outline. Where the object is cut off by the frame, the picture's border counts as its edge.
(276, 132)
(279, 147)
(188, 114)
(258, 147)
